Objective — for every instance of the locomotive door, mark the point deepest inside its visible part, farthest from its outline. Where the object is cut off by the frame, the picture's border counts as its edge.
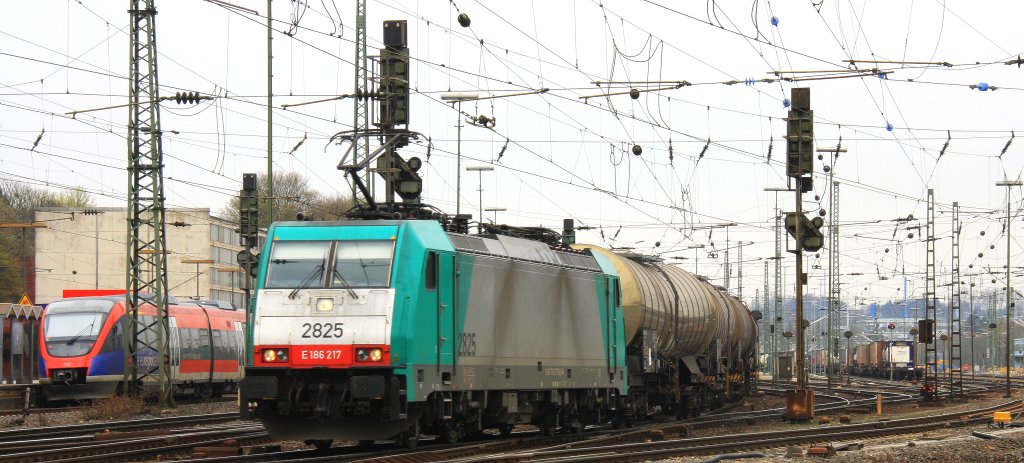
(446, 308)
(611, 303)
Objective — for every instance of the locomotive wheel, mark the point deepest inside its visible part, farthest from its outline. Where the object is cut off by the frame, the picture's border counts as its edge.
(410, 437)
(451, 433)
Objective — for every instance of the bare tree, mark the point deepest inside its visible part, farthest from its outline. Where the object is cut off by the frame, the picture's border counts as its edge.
(292, 195)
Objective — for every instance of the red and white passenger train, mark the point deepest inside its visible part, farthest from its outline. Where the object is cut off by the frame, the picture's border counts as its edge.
(82, 345)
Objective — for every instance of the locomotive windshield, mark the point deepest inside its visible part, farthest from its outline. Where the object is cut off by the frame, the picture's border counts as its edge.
(362, 264)
(72, 327)
(297, 263)
(355, 264)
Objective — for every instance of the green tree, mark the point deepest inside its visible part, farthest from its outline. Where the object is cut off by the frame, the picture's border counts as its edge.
(18, 202)
(292, 195)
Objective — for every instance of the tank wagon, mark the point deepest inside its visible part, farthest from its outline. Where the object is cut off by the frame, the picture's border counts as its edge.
(82, 345)
(370, 330)
(690, 345)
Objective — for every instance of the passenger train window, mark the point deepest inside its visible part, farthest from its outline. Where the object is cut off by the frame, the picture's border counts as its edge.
(618, 294)
(431, 273)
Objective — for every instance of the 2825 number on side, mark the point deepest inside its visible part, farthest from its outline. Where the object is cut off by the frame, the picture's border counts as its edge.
(322, 330)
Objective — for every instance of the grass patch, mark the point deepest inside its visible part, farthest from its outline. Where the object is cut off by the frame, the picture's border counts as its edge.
(115, 408)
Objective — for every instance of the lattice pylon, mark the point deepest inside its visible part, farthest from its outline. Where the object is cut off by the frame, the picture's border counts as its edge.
(146, 353)
(931, 371)
(955, 365)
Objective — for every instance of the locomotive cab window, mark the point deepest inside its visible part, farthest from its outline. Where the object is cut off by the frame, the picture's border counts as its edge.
(362, 264)
(430, 276)
(297, 263)
(339, 264)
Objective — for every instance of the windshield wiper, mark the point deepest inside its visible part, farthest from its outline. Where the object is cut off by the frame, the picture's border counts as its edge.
(317, 271)
(345, 284)
(80, 332)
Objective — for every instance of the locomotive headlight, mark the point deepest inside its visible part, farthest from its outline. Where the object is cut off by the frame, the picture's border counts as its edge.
(275, 355)
(325, 304)
(364, 354)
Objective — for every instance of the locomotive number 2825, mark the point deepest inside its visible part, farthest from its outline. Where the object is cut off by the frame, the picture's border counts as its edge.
(322, 330)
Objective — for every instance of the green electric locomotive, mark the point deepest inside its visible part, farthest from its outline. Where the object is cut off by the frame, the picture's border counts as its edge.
(369, 330)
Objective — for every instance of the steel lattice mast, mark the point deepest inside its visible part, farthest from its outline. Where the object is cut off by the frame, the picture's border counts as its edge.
(146, 335)
(361, 105)
(955, 366)
(777, 306)
(927, 330)
(834, 299)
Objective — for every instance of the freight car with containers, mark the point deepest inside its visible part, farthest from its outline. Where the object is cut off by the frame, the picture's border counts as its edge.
(884, 359)
(381, 329)
(82, 349)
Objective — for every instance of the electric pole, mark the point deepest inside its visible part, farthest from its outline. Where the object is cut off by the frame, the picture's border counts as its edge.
(270, 115)
(146, 353)
(926, 328)
(955, 365)
(1009, 288)
(834, 292)
(360, 110)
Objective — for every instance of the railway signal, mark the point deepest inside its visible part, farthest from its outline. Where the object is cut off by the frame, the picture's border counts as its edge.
(811, 237)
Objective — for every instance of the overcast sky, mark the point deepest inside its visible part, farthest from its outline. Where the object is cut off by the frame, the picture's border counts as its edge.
(568, 156)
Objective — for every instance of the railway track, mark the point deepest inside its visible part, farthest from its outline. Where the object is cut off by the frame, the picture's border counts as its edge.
(34, 410)
(126, 440)
(641, 451)
(135, 425)
(532, 441)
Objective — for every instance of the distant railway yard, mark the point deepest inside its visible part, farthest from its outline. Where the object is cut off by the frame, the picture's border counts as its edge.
(846, 428)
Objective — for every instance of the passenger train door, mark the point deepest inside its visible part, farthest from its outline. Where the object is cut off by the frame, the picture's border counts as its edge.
(446, 317)
(174, 346)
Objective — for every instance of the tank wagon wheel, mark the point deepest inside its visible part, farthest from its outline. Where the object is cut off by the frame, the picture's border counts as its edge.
(365, 443)
(505, 429)
(410, 437)
(452, 432)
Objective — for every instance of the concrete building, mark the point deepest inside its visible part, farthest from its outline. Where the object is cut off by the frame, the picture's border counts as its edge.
(86, 249)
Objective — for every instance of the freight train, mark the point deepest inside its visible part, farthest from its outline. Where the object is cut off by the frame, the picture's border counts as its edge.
(884, 359)
(82, 346)
(383, 329)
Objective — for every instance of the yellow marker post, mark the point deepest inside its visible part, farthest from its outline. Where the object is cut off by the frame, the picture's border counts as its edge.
(878, 404)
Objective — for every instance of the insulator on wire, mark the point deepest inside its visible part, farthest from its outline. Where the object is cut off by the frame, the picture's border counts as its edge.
(187, 97)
